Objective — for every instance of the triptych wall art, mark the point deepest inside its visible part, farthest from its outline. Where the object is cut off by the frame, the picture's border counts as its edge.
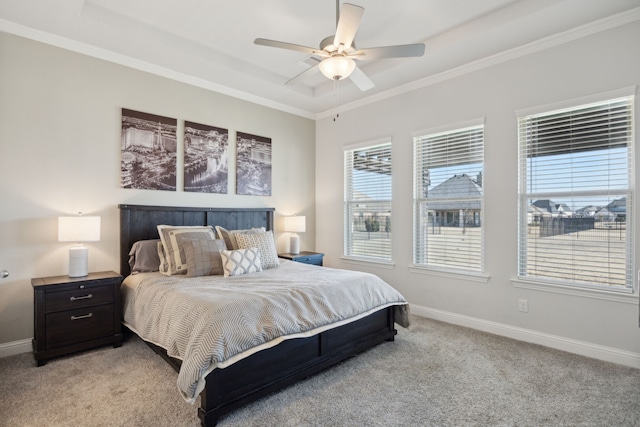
(149, 156)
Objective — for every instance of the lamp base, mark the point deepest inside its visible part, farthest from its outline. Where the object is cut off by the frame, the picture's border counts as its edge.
(295, 244)
(78, 261)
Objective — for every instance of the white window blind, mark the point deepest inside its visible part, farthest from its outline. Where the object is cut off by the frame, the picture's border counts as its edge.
(448, 199)
(367, 206)
(575, 195)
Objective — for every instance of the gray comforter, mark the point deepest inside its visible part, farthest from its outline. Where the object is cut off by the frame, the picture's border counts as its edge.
(211, 322)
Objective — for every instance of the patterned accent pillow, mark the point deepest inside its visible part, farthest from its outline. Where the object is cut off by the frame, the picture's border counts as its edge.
(173, 239)
(229, 236)
(240, 261)
(265, 243)
(203, 257)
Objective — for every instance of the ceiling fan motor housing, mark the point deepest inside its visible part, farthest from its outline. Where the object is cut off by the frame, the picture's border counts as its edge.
(327, 45)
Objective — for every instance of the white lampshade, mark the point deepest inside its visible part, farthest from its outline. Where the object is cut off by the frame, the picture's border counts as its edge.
(337, 67)
(78, 229)
(295, 224)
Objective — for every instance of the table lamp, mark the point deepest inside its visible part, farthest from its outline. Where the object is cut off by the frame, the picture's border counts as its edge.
(78, 229)
(295, 224)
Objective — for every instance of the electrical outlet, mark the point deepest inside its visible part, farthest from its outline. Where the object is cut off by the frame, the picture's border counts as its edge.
(523, 305)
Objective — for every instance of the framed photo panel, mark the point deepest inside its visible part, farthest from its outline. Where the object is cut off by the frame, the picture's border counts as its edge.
(253, 166)
(148, 151)
(205, 158)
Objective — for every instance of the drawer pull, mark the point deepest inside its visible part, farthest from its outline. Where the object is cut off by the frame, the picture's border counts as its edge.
(79, 298)
(86, 316)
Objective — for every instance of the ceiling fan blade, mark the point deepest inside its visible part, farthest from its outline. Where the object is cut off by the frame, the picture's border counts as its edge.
(303, 75)
(401, 51)
(347, 26)
(290, 46)
(360, 79)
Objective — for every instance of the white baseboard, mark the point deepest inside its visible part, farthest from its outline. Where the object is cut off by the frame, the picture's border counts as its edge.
(15, 347)
(583, 348)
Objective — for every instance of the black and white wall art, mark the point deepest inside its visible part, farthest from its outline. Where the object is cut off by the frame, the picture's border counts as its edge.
(148, 151)
(205, 158)
(253, 165)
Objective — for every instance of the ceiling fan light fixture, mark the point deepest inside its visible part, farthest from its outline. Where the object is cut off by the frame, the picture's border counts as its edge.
(337, 67)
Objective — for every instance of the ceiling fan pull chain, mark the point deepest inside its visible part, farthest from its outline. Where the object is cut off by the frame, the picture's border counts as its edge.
(336, 92)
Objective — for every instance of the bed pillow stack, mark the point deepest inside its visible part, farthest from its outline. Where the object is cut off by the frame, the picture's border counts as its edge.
(195, 251)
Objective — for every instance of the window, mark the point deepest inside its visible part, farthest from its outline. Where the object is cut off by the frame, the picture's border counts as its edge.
(448, 199)
(575, 197)
(367, 201)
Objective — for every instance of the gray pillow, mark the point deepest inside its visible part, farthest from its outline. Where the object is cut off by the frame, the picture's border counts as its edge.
(143, 256)
(203, 257)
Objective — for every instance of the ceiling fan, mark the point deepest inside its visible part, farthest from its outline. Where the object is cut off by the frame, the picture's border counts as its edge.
(337, 52)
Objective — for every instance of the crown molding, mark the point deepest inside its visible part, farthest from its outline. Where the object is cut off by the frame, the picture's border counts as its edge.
(545, 43)
(127, 61)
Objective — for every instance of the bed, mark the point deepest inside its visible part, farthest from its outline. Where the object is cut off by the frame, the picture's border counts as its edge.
(275, 364)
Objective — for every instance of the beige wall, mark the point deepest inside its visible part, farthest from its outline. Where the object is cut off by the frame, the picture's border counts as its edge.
(585, 322)
(60, 153)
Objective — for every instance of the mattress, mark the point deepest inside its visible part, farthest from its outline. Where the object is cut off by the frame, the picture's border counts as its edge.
(211, 322)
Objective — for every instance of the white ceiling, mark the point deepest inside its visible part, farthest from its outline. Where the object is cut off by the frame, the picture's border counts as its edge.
(209, 43)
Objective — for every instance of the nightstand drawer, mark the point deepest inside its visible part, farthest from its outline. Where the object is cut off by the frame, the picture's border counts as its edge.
(84, 324)
(76, 298)
(314, 260)
(305, 257)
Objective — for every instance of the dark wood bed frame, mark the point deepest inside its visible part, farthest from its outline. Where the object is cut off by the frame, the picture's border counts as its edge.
(269, 370)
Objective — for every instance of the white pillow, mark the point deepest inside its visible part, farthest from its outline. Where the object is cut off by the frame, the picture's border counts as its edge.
(240, 261)
(265, 243)
(173, 240)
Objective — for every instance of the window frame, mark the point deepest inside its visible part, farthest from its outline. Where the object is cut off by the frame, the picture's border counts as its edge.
(556, 284)
(474, 274)
(349, 202)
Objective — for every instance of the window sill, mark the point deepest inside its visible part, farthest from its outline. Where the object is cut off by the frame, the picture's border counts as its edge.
(627, 297)
(389, 265)
(457, 274)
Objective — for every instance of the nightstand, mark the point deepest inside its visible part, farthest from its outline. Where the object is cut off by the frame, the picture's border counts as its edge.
(314, 258)
(75, 313)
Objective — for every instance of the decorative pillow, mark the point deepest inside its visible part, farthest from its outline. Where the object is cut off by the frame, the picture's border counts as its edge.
(173, 239)
(203, 257)
(240, 261)
(229, 236)
(265, 243)
(163, 259)
(143, 256)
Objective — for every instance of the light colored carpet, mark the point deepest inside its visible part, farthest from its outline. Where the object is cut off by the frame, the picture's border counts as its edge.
(434, 374)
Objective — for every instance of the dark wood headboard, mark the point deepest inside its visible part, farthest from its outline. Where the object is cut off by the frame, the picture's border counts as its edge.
(139, 222)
